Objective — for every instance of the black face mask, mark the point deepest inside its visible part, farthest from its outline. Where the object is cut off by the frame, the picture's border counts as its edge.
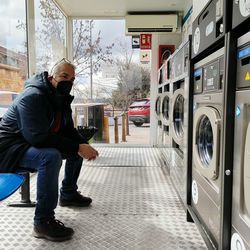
(64, 87)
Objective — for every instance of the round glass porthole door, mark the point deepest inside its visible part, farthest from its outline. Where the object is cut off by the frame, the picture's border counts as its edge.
(165, 108)
(204, 141)
(178, 115)
(158, 106)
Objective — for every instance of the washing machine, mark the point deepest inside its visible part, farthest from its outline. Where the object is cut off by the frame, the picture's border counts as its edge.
(207, 142)
(241, 11)
(166, 115)
(178, 119)
(157, 112)
(180, 86)
(178, 172)
(178, 103)
(241, 169)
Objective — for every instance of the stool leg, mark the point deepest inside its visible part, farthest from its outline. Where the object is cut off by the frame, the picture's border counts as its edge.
(25, 194)
(25, 189)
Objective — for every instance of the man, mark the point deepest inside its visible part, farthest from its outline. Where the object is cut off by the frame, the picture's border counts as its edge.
(36, 133)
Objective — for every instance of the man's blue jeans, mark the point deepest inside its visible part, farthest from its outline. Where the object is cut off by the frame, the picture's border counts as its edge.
(47, 162)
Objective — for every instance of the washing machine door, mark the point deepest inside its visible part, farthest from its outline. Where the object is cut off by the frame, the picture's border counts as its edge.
(165, 108)
(178, 116)
(247, 172)
(206, 141)
(158, 107)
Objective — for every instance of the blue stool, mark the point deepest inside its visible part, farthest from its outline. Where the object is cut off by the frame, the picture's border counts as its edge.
(9, 183)
(25, 191)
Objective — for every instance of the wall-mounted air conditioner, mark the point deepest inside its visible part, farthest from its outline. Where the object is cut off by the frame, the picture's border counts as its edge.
(159, 23)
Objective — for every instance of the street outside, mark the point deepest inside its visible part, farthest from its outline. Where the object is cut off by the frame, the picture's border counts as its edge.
(137, 135)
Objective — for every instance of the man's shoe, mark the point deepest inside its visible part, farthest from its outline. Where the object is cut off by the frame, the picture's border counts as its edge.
(77, 200)
(53, 230)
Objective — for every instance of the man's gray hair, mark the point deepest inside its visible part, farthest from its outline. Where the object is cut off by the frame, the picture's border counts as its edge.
(58, 64)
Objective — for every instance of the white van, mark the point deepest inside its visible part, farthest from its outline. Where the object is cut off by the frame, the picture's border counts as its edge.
(6, 98)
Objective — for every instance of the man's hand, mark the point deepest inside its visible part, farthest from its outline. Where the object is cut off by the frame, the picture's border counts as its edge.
(87, 152)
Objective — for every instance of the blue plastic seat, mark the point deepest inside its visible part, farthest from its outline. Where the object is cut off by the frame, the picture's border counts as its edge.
(9, 183)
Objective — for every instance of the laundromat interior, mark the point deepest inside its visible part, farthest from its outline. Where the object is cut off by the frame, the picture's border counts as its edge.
(190, 187)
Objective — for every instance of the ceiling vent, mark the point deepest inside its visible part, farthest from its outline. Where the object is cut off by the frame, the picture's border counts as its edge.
(164, 23)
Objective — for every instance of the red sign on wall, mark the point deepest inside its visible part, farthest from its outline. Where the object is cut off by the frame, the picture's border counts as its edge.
(145, 41)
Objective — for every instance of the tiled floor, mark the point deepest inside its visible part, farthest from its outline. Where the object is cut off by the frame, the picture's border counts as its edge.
(134, 207)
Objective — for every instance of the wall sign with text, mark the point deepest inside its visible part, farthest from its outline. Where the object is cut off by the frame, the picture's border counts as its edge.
(145, 41)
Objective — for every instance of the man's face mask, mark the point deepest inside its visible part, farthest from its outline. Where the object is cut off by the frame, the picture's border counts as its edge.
(64, 87)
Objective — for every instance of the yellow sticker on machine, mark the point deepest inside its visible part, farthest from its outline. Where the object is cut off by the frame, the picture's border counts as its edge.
(247, 77)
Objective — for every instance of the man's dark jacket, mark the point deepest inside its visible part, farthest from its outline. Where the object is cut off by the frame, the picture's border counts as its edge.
(30, 121)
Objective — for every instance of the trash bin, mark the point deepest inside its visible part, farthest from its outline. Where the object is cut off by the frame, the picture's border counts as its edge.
(90, 115)
(96, 119)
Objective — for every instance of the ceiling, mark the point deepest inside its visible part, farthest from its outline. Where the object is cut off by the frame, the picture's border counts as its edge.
(119, 8)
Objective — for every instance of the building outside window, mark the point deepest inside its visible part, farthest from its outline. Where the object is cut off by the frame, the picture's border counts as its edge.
(13, 45)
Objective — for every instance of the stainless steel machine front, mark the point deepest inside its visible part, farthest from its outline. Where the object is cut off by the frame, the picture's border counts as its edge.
(207, 142)
(241, 169)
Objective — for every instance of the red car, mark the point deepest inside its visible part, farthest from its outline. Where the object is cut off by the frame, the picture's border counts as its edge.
(139, 111)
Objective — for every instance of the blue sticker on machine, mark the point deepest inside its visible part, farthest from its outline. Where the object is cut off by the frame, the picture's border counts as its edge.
(194, 106)
(198, 72)
(244, 52)
(237, 111)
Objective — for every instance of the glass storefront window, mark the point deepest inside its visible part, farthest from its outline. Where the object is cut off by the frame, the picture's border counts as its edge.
(50, 34)
(13, 45)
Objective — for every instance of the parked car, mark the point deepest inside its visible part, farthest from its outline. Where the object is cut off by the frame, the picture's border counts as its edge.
(6, 98)
(139, 111)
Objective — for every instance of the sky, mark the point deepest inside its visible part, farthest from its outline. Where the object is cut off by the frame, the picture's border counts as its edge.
(113, 31)
(10, 12)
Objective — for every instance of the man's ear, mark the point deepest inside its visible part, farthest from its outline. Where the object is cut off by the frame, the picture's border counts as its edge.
(50, 78)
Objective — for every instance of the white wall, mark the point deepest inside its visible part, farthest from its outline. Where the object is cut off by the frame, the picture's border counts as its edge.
(172, 38)
(153, 88)
(187, 29)
(198, 5)
(187, 26)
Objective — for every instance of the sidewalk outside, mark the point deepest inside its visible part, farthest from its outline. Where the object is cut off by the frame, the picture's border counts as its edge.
(137, 135)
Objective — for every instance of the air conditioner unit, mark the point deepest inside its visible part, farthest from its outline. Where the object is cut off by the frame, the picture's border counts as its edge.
(136, 24)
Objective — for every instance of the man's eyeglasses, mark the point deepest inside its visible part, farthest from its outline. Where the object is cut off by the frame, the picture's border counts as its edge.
(64, 60)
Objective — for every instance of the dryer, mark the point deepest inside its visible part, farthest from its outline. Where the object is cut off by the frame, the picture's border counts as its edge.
(207, 142)
(241, 168)
(157, 112)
